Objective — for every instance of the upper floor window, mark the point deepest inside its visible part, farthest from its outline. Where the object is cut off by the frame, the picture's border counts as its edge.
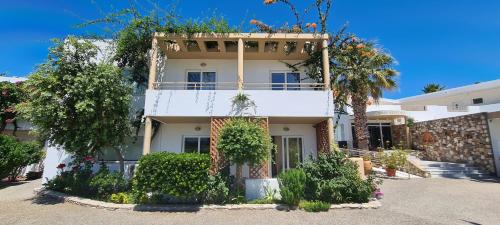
(285, 80)
(201, 80)
(476, 101)
(196, 144)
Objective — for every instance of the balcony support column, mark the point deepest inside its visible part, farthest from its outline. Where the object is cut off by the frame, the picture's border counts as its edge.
(326, 64)
(153, 63)
(326, 80)
(146, 149)
(240, 64)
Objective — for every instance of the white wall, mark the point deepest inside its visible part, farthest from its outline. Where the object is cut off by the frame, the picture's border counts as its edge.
(207, 103)
(306, 131)
(490, 96)
(170, 136)
(255, 71)
(494, 125)
(54, 157)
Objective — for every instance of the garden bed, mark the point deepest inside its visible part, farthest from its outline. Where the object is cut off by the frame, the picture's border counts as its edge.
(373, 204)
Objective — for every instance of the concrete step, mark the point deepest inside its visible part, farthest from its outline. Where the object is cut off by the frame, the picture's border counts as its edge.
(451, 170)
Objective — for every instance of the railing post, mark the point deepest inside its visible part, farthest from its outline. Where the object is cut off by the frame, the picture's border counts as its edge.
(240, 64)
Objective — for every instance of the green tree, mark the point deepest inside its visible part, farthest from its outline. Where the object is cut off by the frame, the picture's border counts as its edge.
(432, 87)
(11, 95)
(15, 155)
(244, 141)
(79, 102)
(362, 71)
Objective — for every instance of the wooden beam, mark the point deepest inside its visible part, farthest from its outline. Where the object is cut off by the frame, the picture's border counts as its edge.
(222, 46)
(202, 46)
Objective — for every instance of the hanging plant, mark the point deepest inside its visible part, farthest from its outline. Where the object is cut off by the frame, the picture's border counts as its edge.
(242, 103)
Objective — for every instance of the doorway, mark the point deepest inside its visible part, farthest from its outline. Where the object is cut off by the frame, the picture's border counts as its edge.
(288, 153)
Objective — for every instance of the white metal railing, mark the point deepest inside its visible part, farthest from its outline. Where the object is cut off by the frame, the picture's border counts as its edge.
(234, 86)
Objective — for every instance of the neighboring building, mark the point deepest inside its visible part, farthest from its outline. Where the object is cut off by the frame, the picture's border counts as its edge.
(460, 124)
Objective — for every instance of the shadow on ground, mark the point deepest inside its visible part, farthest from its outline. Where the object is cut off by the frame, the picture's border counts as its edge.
(475, 178)
(5, 184)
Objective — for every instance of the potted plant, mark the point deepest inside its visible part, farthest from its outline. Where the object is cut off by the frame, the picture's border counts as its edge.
(393, 160)
(367, 163)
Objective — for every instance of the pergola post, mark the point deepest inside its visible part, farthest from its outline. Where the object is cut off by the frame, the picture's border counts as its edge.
(326, 80)
(240, 64)
(146, 149)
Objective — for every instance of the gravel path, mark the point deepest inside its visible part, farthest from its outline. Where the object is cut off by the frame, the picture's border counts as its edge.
(418, 201)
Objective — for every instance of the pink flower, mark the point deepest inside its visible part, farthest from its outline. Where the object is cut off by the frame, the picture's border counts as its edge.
(88, 159)
(61, 166)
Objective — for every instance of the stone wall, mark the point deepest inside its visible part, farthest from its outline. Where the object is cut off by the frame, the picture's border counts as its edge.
(400, 135)
(463, 139)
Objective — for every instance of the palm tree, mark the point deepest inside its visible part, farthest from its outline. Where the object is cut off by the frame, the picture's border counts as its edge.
(362, 71)
(432, 87)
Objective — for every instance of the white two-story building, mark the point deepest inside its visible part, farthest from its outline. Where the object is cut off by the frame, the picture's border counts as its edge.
(193, 81)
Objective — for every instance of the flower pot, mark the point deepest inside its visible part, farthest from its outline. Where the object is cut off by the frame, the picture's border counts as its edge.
(368, 167)
(390, 172)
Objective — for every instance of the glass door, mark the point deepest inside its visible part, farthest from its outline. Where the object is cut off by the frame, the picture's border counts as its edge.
(292, 152)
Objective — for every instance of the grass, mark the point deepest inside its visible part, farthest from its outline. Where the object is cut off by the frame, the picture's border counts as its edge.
(314, 206)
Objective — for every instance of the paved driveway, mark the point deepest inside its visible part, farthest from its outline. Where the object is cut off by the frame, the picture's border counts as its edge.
(418, 201)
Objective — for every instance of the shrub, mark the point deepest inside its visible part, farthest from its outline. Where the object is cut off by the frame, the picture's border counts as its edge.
(120, 198)
(292, 186)
(105, 183)
(217, 190)
(244, 141)
(262, 201)
(314, 206)
(75, 181)
(181, 176)
(16, 155)
(393, 160)
(333, 178)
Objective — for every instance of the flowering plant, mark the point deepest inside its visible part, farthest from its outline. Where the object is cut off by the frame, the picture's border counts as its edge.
(61, 166)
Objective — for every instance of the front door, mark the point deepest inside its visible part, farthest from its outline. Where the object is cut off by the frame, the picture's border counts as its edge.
(288, 153)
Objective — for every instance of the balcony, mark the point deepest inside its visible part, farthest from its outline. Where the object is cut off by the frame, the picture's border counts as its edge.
(194, 99)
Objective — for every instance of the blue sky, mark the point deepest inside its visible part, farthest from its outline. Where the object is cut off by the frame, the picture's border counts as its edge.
(451, 42)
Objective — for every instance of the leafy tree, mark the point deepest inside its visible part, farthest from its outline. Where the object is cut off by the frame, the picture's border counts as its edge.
(15, 155)
(78, 102)
(359, 70)
(11, 95)
(244, 141)
(362, 71)
(432, 87)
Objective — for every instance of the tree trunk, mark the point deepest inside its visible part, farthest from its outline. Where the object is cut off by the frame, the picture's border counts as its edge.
(360, 121)
(120, 159)
(239, 177)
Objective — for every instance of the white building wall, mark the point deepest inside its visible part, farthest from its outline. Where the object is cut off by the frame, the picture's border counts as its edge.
(255, 71)
(306, 131)
(494, 125)
(170, 136)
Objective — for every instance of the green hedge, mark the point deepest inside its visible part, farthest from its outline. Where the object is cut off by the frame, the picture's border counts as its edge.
(182, 176)
(292, 184)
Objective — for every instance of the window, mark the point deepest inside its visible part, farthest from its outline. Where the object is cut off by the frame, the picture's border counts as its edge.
(193, 144)
(285, 81)
(198, 80)
(292, 152)
(477, 101)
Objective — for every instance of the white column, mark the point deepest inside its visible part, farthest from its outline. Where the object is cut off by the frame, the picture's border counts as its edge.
(146, 149)
(326, 64)
(152, 67)
(240, 64)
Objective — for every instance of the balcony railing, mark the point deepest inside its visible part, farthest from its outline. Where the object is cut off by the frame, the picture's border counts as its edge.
(234, 86)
